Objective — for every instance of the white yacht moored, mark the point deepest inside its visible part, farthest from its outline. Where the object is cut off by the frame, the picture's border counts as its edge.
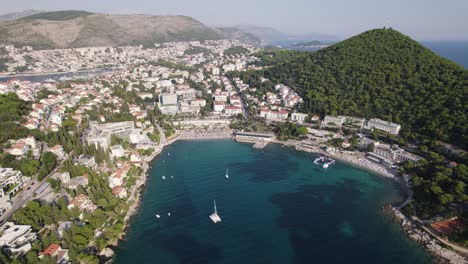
(214, 216)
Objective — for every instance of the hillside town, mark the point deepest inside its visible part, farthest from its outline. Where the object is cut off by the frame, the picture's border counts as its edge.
(83, 147)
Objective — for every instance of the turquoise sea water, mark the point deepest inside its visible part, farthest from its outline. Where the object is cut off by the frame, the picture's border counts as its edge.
(276, 207)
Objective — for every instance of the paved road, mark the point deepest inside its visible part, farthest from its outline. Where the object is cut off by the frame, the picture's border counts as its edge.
(244, 106)
(162, 136)
(25, 195)
(445, 242)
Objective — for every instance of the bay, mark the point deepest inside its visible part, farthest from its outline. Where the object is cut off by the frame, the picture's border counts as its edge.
(276, 207)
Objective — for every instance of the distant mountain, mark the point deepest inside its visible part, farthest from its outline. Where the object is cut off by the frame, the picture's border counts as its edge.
(246, 37)
(276, 37)
(18, 15)
(65, 29)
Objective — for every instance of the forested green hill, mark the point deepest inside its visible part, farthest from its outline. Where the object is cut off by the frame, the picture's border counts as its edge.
(380, 73)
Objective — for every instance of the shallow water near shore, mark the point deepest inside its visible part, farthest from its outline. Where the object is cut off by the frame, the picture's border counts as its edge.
(276, 207)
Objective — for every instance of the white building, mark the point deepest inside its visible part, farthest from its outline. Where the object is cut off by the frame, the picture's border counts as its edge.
(118, 151)
(19, 148)
(168, 99)
(58, 151)
(233, 110)
(78, 181)
(87, 161)
(333, 120)
(383, 125)
(198, 102)
(253, 137)
(11, 181)
(63, 177)
(218, 106)
(101, 133)
(298, 117)
(16, 238)
(392, 154)
(56, 118)
(354, 121)
(169, 109)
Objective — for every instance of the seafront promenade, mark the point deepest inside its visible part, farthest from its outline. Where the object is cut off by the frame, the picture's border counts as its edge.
(205, 134)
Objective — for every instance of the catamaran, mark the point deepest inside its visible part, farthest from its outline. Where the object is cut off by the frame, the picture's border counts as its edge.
(227, 173)
(214, 216)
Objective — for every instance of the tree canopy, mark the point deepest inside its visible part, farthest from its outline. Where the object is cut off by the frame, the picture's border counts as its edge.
(380, 73)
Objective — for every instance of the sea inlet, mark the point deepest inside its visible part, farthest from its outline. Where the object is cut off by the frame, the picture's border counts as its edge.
(277, 206)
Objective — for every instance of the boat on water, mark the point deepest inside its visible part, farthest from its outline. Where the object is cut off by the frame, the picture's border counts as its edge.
(158, 216)
(168, 214)
(172, 177)
(227, 174)
(214, 216)
(163, 177)
(324, 161)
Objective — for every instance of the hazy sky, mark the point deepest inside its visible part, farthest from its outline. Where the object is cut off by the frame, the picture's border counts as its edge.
(420, 19)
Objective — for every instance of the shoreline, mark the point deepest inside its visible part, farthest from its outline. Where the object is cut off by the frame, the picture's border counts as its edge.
(432, 246)
(441, 254)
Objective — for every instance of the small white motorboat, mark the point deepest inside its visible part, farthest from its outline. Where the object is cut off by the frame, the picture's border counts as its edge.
(172, 177)
(163, 177)
(168, 214)
(227, 174)
(158, 216)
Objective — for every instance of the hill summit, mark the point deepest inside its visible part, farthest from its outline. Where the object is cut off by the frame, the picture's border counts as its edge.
(381, 73)
(65, 29)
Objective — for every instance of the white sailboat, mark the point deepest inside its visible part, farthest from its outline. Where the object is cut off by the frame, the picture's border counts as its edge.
(214, 216)
(227, 174)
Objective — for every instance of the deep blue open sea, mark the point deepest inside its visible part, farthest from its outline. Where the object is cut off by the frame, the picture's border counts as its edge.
(276, 207)
(454, 51)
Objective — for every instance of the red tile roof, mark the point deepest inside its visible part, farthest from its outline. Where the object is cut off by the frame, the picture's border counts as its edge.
(50, 250)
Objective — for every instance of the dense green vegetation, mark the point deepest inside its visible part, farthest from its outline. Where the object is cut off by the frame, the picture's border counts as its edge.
(45, 93)
(196, 50)
(237, 50)
(3, 64)
(59, 15)
(172, 65)
(48, 161)
(289, 130)
(380, 73)
(12, 110)
(439, 190)
(107, 218)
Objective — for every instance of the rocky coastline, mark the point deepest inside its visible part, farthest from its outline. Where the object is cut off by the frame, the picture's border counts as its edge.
(441, 253)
